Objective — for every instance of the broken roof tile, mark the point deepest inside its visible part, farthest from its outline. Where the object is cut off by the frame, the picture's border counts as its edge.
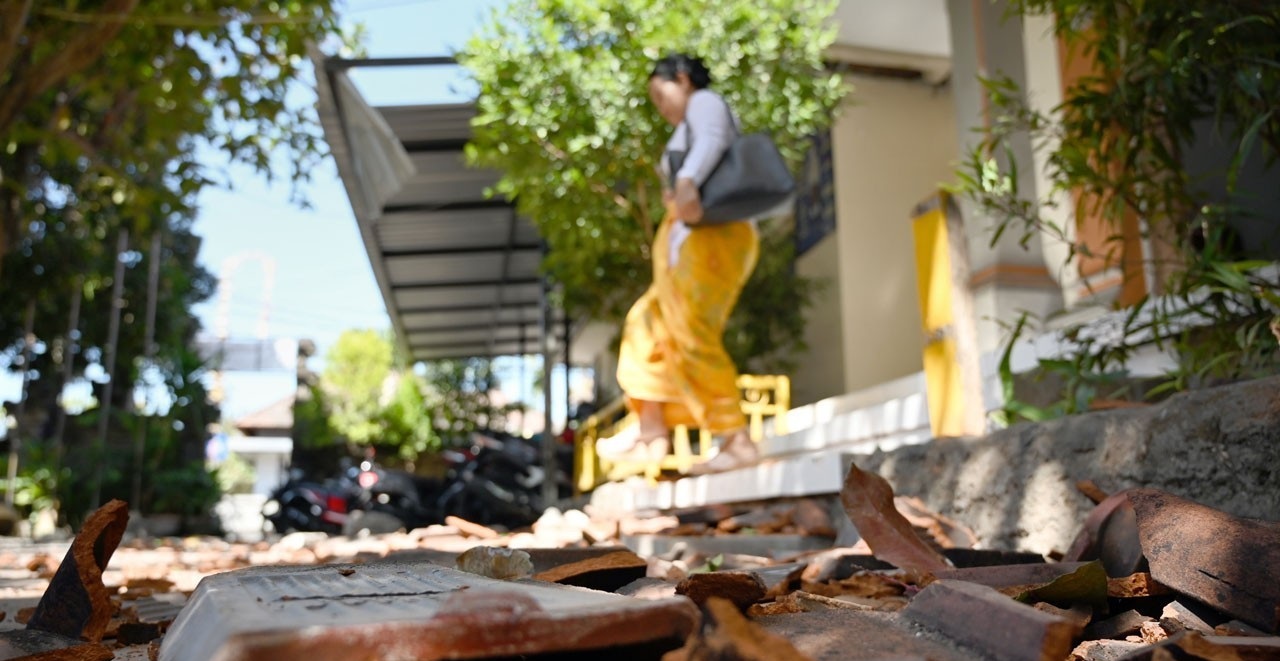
(994, 625)
(419, 610)
(607, 572)
(740, 587)
(1227, 562)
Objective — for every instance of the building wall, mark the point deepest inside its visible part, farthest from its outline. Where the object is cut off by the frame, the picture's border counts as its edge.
(894, 144)
(1007, 277)
(820, 371)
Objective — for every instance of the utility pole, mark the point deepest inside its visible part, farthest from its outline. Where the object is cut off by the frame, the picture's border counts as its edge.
(113, 339)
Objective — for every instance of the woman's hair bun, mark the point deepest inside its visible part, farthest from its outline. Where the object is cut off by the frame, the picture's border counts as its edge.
(677, 63)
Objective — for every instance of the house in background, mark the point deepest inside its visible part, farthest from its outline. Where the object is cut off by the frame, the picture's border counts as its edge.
(917, 110)
(265, 442)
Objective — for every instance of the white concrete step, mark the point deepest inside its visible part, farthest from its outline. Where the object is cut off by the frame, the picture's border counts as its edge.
(804, 474)
(805, 462)
(896, 412)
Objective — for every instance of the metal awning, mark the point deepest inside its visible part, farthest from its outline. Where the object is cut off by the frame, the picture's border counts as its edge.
(459, 272)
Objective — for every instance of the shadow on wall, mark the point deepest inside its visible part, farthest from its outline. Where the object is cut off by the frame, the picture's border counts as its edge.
(1016, 487)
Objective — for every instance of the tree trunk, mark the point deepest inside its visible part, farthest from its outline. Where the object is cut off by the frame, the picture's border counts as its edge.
(109, 364)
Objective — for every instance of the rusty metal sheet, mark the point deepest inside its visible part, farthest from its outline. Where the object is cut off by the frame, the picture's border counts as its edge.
(420, 611)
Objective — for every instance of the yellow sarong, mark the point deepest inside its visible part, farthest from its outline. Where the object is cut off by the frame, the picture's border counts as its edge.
(673, 339)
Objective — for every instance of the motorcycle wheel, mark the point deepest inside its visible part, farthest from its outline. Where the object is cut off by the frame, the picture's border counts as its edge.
(371, 523)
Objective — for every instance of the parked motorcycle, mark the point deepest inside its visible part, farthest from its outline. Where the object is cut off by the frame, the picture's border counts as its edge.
(500, 484)
(388, 500)
(496, 481)
(308, 506)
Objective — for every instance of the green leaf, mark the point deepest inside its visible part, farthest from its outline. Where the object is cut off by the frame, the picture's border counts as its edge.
(1086, 585)
(1245, 148)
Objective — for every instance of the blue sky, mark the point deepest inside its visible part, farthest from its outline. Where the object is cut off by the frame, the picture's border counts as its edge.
(323, 281)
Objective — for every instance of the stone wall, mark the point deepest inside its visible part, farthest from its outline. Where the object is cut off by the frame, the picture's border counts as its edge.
(1016, 487)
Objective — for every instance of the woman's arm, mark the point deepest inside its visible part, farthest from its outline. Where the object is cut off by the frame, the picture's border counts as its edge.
(709, 130)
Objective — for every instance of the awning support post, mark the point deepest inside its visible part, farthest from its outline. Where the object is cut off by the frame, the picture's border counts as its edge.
(551, 475)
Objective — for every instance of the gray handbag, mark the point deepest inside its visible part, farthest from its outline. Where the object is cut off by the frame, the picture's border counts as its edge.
(750, 179)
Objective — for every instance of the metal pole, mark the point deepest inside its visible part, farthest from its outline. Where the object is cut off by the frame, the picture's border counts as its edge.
(568, 365)
(113, 338)
(149, 351)
(551, 477)
(15, 435)
(524, 357)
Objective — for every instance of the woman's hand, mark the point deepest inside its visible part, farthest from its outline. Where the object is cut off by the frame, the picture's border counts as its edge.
(688, 201)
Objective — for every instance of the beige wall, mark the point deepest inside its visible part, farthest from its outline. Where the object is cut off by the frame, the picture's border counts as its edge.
(894, 144)
(820, 371)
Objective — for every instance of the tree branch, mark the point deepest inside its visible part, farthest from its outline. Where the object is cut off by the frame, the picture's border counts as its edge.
(13, 18)
(83, 49)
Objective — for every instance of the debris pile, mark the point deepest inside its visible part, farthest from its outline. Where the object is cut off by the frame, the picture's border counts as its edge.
(1150, 576)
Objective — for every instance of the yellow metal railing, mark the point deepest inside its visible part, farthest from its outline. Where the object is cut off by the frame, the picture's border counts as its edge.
(763, 395)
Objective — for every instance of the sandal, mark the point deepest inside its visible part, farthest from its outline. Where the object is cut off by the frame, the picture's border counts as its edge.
(629, 446)
(738, 452)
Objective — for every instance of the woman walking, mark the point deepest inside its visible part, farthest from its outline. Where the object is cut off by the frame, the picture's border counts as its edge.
(672, 365)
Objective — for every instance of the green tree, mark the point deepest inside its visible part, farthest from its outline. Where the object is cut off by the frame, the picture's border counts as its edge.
(356, 374)
(369, 397)
(406, 420)
(113, 115)
(52, 262)
(564, 115)
(458, 396)
(1165, 77)
(103, 104)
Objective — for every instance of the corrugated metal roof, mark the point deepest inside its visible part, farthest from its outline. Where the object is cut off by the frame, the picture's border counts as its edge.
(459, 271)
